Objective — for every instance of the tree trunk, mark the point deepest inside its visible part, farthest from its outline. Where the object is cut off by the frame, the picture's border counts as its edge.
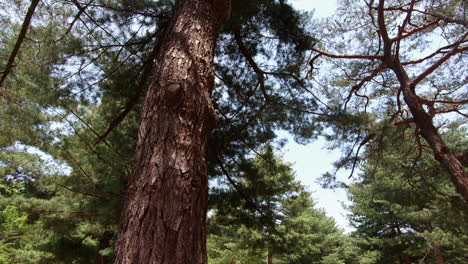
(429, 132)
(104, 243)
(164, 215)
(270, 257)
(421, 118)
(436, 248)
(438, 254)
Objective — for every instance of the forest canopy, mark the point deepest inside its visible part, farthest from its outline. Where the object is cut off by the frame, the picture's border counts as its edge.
(145, 131)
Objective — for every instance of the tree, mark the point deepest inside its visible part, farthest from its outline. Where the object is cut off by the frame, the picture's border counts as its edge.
(267, 216)
(385, 64)
(164, 216)
(97, 72)
(408, 212)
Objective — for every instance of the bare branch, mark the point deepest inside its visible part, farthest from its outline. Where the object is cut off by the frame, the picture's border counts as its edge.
(436, 65)
(148, 68)
(438, 51)
(363, 81)
(405, 34)
(345, 56)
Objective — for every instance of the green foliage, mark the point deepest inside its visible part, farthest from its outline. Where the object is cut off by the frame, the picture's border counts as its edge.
(62, 189)
(273, 215)
(402, 208)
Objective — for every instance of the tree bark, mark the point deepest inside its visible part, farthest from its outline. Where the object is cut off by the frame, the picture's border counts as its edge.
(438, 254)
(439, 258)
(429, 132)
(164, 215)
(421, 118)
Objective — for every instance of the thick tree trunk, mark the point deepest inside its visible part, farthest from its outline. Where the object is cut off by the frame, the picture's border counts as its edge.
(164, 216)
(421, 118)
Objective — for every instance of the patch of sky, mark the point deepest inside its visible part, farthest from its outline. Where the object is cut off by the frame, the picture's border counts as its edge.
(50, 165)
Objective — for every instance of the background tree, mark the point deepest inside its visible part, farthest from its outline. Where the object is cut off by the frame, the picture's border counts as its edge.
(408, 211)
(387, 52)
(266, 216)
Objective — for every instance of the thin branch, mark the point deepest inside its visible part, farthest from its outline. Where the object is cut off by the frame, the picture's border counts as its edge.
(364, 142)
(405, 34)
(436, 65)
(438, 51)
(19, 41)
(78, 191)
(148, 68)
(358, 86)
(247, 199)
(345, 56)
(401, 29)
(248, 56)
(76, 18)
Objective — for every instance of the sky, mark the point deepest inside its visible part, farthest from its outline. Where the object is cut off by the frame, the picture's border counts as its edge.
(312, 160)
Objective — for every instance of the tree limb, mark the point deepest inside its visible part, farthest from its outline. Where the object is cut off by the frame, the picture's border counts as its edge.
(345, 56)
(19, 41)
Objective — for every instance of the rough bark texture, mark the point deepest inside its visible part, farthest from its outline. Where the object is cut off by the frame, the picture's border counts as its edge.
(164, 215)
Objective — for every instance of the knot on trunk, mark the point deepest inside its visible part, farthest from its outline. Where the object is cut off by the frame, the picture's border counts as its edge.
(173, 93)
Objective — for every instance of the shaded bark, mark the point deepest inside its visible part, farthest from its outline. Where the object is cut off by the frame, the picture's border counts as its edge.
(164, 215)
(104, 243)
(270, 257)
(439, 258)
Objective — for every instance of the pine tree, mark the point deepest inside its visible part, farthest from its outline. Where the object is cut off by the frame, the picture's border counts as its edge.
(268, 217)
(410, 212)
(396, 62)
(92, 78)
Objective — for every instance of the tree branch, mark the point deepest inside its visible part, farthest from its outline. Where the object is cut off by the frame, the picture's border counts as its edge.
(436, 65)
(19, 41)
(345, 56)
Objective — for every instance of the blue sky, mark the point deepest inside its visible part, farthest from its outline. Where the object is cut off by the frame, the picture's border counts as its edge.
(312, 160)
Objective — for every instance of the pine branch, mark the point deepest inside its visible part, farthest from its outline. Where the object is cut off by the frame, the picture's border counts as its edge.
(19, 41)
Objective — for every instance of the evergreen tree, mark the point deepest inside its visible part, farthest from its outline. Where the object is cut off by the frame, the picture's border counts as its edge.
(92, 77)
(410, 212)
(266, 216)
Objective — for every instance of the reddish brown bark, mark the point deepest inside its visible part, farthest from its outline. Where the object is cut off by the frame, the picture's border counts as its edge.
(438, 254)
(421, 118)
(439, 258)
(164, 215)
